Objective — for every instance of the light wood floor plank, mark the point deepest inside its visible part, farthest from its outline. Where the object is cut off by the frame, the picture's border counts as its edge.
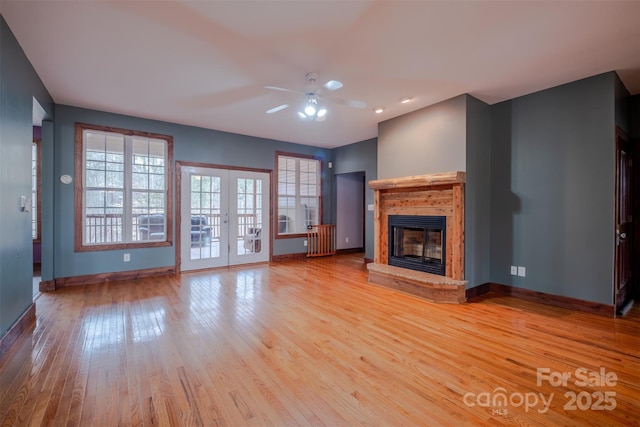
(307, 342)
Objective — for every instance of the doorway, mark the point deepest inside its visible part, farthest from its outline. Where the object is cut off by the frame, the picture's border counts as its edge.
(224, 217)
(38, 115)
(350, 218)
(625, 282)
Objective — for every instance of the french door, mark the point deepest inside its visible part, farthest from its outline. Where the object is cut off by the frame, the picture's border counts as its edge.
(224, 217)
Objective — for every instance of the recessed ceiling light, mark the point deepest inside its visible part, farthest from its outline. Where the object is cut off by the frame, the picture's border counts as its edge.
(405, 100)
(378, 110)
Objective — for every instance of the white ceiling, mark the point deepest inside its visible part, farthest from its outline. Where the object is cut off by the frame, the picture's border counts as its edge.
(205, 63)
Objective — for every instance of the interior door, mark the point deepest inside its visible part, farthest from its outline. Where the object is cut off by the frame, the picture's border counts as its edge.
(624, 225)
(224, 217)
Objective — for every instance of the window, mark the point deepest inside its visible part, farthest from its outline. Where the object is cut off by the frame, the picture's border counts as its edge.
(35, 192)
(124, 191)
(299, 193)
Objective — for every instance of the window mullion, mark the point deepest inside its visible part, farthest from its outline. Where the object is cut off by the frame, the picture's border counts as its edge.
(299, 210)
(127, 211)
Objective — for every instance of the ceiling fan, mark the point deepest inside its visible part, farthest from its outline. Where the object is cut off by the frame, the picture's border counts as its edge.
(312, 108)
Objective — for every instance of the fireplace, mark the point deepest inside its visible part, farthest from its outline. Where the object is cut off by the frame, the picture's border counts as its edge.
(419, 236)
(418, 242)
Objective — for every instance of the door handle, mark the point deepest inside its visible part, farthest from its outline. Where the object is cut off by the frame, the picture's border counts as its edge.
(620, 237)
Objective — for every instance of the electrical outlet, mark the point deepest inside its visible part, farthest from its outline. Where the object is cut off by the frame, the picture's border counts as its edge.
(305, 242)
(346, 240)
(127, 257)
(521, 272)
(514, 270)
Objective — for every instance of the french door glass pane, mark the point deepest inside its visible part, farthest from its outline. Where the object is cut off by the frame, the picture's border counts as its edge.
(205, 217)
(249, 212)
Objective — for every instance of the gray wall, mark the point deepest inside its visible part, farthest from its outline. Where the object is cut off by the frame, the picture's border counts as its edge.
(190, 144)
(19, 84)
(360, 157)
(429, 140)
(552, 190)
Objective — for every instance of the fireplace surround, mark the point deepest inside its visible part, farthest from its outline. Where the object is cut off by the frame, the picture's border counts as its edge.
(434, 195)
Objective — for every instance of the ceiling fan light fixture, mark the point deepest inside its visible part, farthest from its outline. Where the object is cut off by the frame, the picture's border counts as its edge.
(310, 110)
(319, 114)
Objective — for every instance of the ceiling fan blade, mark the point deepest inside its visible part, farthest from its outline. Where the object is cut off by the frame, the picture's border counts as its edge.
(332, 85)
(281, 89)
(278, 108)
(349, 102)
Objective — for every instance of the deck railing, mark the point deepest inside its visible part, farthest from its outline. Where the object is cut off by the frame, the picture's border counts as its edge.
(109, 228)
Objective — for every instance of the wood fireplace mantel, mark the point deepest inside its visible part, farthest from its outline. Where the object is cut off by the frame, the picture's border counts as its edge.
(440, 194)
(418, 181)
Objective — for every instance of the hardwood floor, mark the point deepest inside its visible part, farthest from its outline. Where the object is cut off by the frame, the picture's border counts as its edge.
(310, 342)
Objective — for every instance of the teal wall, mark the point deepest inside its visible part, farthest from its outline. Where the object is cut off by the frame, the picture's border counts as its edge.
(190, 144)
(360, 157)
(552, 191)
(477, 195)
(19, 84)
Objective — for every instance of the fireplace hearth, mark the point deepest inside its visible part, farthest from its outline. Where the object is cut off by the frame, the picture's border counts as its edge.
(418, 242)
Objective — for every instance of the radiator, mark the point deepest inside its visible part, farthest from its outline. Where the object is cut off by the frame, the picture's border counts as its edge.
(321, 240)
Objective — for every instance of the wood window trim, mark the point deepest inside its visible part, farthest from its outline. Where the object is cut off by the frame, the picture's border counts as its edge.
(38, 142)
(79, 184)
(276, 194)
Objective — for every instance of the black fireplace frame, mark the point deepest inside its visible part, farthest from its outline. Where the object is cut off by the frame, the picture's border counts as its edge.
(418, 222)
